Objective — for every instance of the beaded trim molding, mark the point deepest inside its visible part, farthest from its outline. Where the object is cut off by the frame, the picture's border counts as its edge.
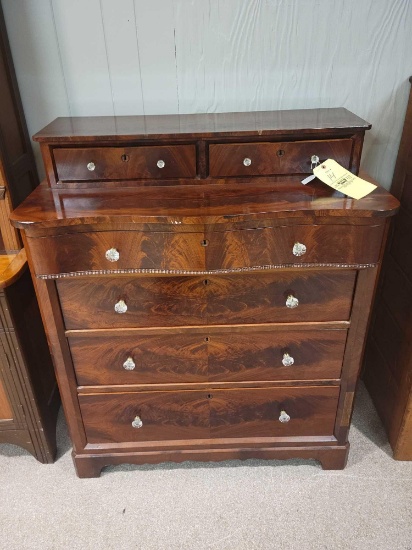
(200, 272)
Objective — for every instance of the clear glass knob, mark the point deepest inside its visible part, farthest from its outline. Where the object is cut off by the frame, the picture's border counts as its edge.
(287, 360)
(284, 417)
(161, 164)
(314, 161)
(129, 364)
(91, 166)
(112, 255)
(292, 301)
(137, 422)
(247, 162)
(120, 307)
(299, 249)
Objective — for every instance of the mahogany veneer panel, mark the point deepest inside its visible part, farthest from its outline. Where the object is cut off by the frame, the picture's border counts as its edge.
(124, 128)
(82, 252)
(203, 415)
(168, 301)
(201, 357)
(157, 251)
(274, 246)
(275, 158)
(125, 163)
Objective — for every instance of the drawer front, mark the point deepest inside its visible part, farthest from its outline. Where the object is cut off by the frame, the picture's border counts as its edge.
(139, 359)
(282, 245)
(109, 418)
(277, 355)
(169, 301)
(205, 357)
(265, 159)
(125, 163)
(117, 250)
(225, 250)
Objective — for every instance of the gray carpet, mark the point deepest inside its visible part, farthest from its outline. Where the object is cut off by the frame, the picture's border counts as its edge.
(231, 505)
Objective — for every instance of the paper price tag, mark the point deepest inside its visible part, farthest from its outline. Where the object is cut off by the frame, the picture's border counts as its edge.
(337, 177)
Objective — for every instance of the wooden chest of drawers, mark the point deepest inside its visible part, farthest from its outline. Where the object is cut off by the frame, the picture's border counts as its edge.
(200, 302)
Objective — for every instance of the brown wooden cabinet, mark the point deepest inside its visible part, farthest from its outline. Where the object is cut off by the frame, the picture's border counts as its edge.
(388, 359)
(29, 398)
(200, 302)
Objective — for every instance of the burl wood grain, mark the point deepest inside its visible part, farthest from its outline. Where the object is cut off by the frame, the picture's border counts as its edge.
(125, 163)
(204, 415)
(171, 301)
(294, 157)
(226, 357)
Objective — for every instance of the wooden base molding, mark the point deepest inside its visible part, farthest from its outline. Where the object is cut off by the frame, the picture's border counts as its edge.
(331, 458)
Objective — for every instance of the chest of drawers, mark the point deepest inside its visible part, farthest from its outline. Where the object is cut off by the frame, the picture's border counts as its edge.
(200, 302)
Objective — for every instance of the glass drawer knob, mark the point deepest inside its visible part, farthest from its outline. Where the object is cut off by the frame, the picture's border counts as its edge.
(161, 164)
(91, 166)
(129, 364)
(284, 417)
(314, 161)
(287, 360)
(299, 249)
(137, 422)
(112, 255)
(120, 307)
(292, 301)
(247, 162)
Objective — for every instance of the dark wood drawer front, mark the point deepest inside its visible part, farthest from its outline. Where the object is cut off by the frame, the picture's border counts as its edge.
(282, 245)
(223, 357)
(322, 296)
(117, 250)
(125, 163)
(151, 301)
(165, 415)
(140, 359)
(169, 301)
(256, 412)
(322, 244)
(264, 159)
(277, 355)
(186, 415)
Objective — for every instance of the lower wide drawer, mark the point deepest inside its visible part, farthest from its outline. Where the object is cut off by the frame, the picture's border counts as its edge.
(121, 302)
(187, 357)
(243, 413)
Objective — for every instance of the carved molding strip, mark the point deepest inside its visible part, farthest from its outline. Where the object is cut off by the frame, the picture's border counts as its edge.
(199, 272)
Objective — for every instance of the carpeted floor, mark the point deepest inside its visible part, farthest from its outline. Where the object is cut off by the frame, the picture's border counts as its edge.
(231, 505)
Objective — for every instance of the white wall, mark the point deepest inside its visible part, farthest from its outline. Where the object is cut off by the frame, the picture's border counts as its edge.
(105, 57)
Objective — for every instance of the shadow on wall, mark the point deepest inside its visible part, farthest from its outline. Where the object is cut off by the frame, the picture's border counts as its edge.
(381, 147)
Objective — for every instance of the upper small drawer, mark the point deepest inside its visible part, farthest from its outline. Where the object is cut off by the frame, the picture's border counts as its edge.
(279, 158)
(125, 163)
